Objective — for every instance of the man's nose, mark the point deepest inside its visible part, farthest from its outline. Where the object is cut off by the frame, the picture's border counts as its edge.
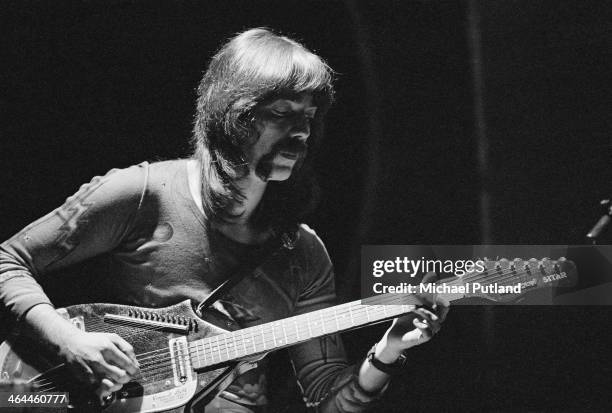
(301, 129)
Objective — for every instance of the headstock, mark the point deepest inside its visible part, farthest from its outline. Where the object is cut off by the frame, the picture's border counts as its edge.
(506, 281)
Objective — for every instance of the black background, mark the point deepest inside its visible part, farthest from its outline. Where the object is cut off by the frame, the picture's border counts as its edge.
(92, 85)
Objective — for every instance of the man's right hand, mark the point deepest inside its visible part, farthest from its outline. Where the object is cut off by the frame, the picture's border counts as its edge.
(104, 360)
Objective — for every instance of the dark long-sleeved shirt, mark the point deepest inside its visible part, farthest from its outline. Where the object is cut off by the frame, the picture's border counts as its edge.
(144, 241)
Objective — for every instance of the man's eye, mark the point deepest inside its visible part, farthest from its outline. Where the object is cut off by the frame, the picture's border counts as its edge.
(281, 114)
(310, 114)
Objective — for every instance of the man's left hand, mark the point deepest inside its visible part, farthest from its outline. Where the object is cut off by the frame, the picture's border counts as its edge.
(413, 329)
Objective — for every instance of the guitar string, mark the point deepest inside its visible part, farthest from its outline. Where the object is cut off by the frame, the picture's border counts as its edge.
(289, 338)
(43, 383)
(158, 371)
(129, 324)
(106, 327)
(242, 333)
(164, 368)
(150, 375)
(220, 346)
(102, 329)
(224, 347)
(506, 275)
(155, 372)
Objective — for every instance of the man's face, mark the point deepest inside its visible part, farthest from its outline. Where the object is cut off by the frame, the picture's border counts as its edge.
(283, 126)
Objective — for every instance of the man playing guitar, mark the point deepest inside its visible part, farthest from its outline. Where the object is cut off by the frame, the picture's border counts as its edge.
(156, 234)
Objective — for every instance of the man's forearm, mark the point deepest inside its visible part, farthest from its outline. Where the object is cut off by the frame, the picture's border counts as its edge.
(43, 323)
(370, 378)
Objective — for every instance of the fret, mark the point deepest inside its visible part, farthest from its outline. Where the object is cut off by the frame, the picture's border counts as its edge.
(308, 323)
(373, 316)
(297, 329)
(284, 332)
(234, 345)
(203, 350)
(315, 325)
(273, 335)
(208, 350)
(367, 313)
(383, 309)
(336, 318)
(351, 314)
(322, 322)
(198, 353)
(253, 338)
(213, 350)
(244, 341)
(330, 320)
(218, 342)
(276, 332)
(278, 327)
(226, 346)
(257, 336)
(263, 338)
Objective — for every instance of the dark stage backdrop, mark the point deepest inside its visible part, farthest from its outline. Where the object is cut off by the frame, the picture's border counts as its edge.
(423, 86)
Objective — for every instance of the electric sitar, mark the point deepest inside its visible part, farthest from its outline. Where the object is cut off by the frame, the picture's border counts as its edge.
(186, 359)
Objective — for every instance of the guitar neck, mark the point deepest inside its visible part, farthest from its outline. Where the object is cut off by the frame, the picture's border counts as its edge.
(266, 337)
(230, 346)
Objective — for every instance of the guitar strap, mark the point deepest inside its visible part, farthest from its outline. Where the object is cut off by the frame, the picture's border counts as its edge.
(271, 248)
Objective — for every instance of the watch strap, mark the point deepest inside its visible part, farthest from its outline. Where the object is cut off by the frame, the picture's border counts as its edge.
(388, 368)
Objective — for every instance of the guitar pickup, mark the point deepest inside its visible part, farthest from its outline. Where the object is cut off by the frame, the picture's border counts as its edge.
(181, 361)
(139, 322)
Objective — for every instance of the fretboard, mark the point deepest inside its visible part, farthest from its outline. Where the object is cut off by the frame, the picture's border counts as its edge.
(266, 337)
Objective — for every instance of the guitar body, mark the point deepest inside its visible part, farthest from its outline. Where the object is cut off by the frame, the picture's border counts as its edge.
(160, 338)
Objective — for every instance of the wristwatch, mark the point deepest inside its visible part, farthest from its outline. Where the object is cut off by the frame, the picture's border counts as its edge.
(389, 368)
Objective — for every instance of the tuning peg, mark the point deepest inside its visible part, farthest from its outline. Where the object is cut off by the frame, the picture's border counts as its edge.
(532, 263)
(542, 268)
